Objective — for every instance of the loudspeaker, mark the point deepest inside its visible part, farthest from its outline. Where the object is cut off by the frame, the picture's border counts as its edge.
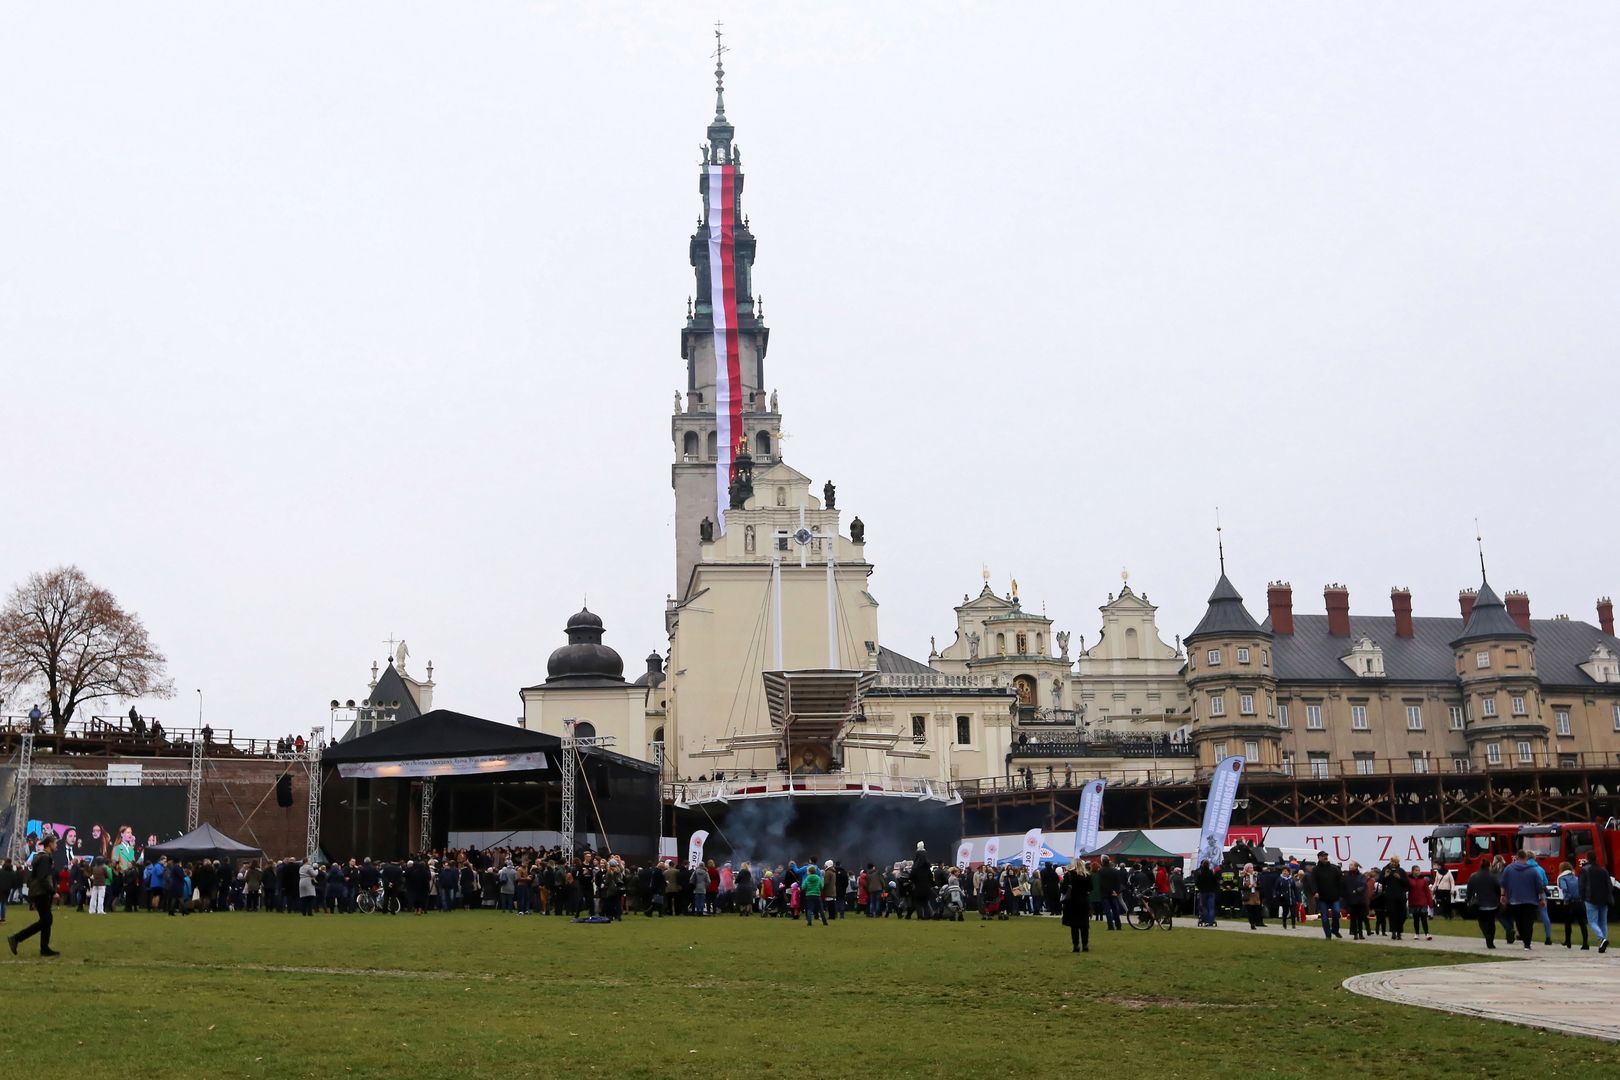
(284, 790)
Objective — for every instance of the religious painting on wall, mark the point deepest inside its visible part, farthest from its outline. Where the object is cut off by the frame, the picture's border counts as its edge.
(812, 759)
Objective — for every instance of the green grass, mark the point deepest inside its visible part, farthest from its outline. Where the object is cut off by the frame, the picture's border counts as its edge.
(483, 994)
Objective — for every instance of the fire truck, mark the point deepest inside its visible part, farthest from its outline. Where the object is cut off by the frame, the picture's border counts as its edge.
(1464, 849)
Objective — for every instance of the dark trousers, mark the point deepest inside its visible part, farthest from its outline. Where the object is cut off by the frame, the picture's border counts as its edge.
(42, 926)
(1358, 920)
(1525, 917)
(1420, 921)
(1395, 911)
(1080, 932)
(1575, 915)
(1113, 909)
(1487, 927)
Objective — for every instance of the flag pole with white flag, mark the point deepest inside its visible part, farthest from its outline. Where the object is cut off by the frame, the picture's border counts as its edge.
(992, 848)
(694, 849)
(1032, 851)
(1089, 817)
(964, 855)
(1223, 787)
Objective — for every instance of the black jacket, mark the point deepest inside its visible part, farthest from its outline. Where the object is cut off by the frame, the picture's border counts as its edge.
(1596, 885)
(41, 877)
(1329, 882)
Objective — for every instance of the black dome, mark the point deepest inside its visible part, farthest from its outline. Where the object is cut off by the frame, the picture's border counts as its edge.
(585, 657)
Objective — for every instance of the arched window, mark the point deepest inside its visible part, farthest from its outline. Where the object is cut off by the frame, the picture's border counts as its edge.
(584, 729)
(1001, 644)
(658, 734)
(691, 448)
(1133, 647)
(762, 444)
(714, 445)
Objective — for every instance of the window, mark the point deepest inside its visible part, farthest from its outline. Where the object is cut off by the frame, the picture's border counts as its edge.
(1364, 762)
(1510, 657)
(584, 729)
(1319, 764)
(1246, 704)
(1566, 761)
(1217, 705)
(1282, 715)
(919, 728)
(1518, 705)
(1243, 656)
(1487, 706)
(1251, 750)
(1482, 658)
(1414, 718)
(1460, 763)
(1288, 763)
(1455, 713)
(1001, 644)
(689, 446)
(1023, 644)
(1358, 717)
(1220, 751)
(1525, 754)
(762, 445)
(1562, 717)
(1420, 761)
(1265, 657)
(1313, 717)
(1616, 717)
(1213, 657)
(964, 730)
(1493, 753)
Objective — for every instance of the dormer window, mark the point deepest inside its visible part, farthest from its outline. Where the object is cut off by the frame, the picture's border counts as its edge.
(1602, 665)
(1366, 659)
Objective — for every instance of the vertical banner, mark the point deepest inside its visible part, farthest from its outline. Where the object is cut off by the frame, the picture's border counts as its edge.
(1032, 850)
(1223, 788)
(964, 855)
(1090, 816)
(694, 850)
(992, 848)
(723, 300)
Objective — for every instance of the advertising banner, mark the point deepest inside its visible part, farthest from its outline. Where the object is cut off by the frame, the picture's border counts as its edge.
(1223, 787)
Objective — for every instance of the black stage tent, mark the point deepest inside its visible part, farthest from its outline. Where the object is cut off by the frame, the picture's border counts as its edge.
(491, 785)
(204, 842)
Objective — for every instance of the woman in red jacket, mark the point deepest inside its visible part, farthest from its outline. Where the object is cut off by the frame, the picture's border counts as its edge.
(1420, 899)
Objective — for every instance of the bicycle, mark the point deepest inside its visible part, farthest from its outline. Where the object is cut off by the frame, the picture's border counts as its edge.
(1150, 909)
(374, 900)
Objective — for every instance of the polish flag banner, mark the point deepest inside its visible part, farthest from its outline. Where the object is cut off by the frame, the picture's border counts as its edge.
(722, 209)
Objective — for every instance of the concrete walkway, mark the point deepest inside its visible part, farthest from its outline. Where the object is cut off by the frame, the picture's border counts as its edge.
(1551, 987)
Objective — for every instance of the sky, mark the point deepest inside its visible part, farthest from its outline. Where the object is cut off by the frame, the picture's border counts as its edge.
(322, 325)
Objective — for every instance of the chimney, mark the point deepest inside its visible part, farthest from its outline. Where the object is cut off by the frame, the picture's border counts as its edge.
(1465, 600)
(1400, 600)
(1606, 615)
(1280, 601)
(1337, 598)
(1518, 606)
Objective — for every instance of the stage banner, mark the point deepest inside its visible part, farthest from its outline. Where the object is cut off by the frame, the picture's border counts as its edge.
(450, 766)
(992, 848)
(964, 855)
(694, 849)
(1090, 816)
(1223, 787)
(722, 207)
(1032, 850)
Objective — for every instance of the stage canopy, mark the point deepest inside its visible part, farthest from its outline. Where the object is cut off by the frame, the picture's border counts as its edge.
(1133, 844)
(1048, 858)
(205, 842)
(444, 743)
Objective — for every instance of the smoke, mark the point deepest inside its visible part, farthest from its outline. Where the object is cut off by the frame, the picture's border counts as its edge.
(854, 832)
(758, 831)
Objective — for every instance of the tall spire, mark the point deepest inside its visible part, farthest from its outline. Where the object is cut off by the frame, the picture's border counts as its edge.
(1220, 545)
(720, 51)
(1479, 538)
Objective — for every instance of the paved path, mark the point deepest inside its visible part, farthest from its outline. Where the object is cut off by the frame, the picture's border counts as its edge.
(1550, 987)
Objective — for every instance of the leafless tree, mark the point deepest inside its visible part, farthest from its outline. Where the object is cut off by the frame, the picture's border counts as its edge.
(63, 634)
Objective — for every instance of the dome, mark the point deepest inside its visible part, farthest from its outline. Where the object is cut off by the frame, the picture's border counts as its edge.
(585, 657)
(655, 671)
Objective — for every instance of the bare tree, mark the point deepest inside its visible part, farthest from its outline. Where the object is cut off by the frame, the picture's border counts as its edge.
(62, 633)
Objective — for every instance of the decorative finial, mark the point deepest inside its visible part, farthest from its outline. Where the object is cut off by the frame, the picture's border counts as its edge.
(720, 51)
(1220, 545)
(1479, 538)
(1124, 575)
(688, 307)
(984, 571)
(761, 305)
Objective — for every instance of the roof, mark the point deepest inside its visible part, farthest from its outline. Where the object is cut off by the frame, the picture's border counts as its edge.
(1132, 844)
(391, 688)
(440, 733)
(206, 842)
(893, 663)
(1489, 619)
(1226, 614)
(1311, 654)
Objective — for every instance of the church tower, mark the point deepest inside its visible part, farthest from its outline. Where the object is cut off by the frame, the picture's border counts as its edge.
(723, 343)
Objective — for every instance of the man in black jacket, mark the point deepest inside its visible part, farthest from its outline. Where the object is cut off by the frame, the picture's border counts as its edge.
(41, 894)
(1597, 893)
(1207, 886)
(1109, 884)
(1328, 882)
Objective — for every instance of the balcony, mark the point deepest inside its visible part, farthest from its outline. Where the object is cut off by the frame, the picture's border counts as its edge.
(1071, 746)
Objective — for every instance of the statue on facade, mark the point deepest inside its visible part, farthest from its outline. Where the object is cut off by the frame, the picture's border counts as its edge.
(706, 531)
(677, 401)
(857, 531)
(773, 397)
(973, 645)
(933, 648)
(829, 496)
(1063, 643)
(748, 539)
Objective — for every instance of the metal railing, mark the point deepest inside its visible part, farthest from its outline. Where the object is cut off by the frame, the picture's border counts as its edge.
(934, 680)
(1093, 746)
(117, 733)
(1451, 765)
(758, 784)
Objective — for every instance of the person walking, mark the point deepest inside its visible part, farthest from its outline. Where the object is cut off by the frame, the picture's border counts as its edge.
(306, 887)
(1355, 895)
(1444, 885)
(1074, 899)
(1485, 899)
(1525, 894)
(1569, 888)
(42, 895)
(700, 889)
(1421, 902)
(1108, 879)
(1597, 893)
(1397, 890)
(810, 886)
(100, 875)
(1328, 890)
(1249, 885)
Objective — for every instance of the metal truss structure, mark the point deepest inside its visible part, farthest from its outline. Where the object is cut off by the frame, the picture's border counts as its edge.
(570, 766)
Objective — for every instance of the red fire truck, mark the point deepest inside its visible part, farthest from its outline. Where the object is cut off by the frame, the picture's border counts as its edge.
(1463, 849)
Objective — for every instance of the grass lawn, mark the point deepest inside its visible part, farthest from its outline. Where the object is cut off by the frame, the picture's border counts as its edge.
(481, 994)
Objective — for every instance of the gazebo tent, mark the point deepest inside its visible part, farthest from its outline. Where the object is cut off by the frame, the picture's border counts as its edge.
(1132, 844)
(205, 842)
(1048, 858)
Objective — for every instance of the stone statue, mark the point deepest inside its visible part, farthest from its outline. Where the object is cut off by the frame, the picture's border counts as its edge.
(1063, 643)
(706, 531)
(857, 531)
(773, 401)
(973, 645)
(829, 496)
(933, 649)
(677, 401)
(748, 539)
(401, 654)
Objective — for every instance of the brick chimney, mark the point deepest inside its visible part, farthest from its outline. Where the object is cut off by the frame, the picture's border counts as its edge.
(1606, 615)
(1465, 600)
(1400, 599)
(1337, 599)
(1280, 602)
(1518, 606)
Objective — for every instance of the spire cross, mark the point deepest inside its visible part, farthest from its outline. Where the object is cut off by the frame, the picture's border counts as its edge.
(1479, 538)
(1220, 545)
(720, 51)
(392, 641)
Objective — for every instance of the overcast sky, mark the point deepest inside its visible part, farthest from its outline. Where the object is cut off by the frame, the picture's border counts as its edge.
(324, 323)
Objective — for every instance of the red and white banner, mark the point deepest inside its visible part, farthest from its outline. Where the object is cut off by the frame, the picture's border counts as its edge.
(694, 849)
(964, 855)
(1032, 850)
(723, 300)
(992, 848)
